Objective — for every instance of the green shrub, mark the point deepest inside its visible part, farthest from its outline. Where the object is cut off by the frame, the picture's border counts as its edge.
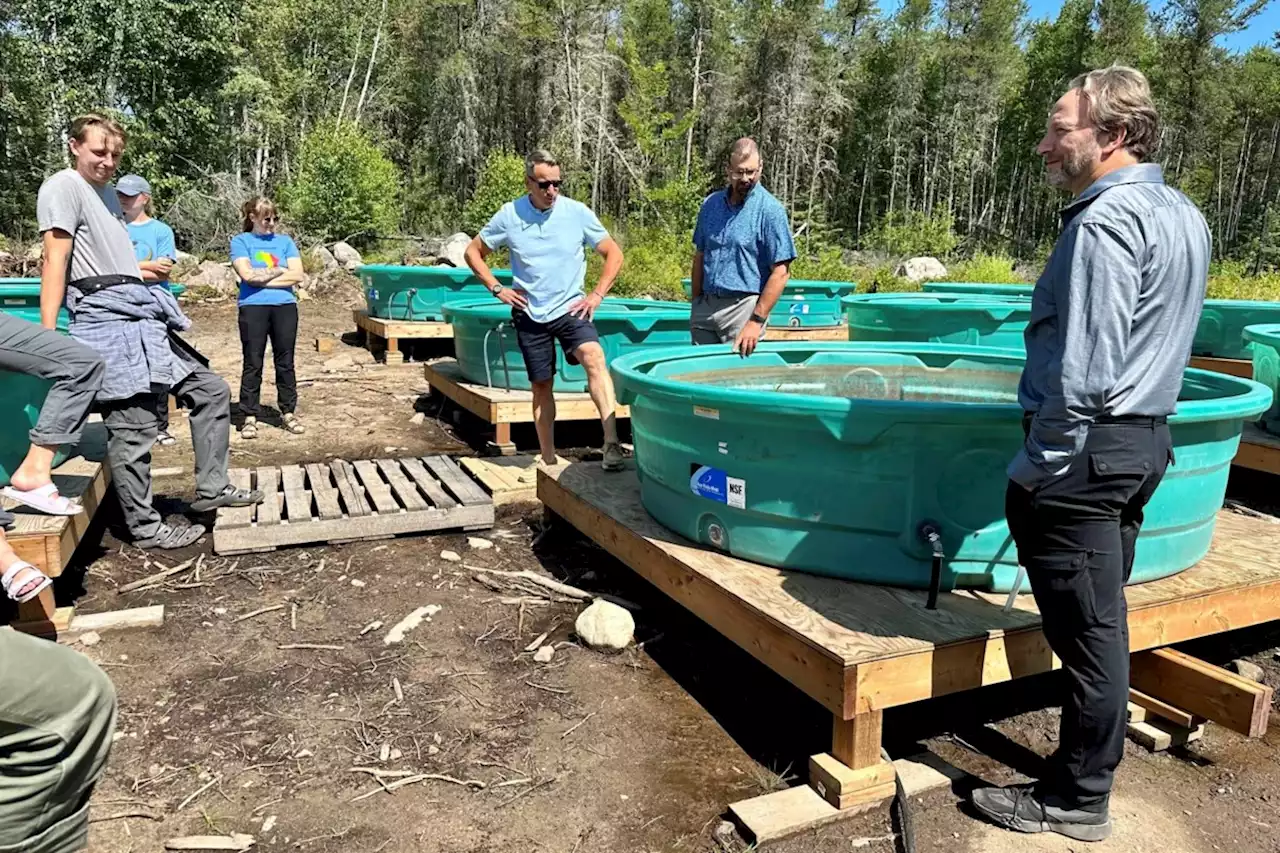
(501, 181)
(655, 261)
(1231, 280)
(344, 188)
(827, 264)
(914, 233)
(985, 269)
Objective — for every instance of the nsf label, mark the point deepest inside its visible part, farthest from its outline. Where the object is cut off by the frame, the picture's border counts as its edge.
(715, 484)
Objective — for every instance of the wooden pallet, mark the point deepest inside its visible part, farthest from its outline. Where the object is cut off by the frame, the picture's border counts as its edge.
(48, 541)
(502, 408)
(500, 476)
(806, 333)
(386, 335)
(1259, 450)
(858, 649)
(341, 501)
(1241, 367)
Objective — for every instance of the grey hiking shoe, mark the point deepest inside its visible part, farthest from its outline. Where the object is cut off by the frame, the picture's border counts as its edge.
(169, 537)
(1019, 808)
(229, 496)
(613, 458)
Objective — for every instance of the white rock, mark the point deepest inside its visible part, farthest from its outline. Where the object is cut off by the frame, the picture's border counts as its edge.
(338, 362)
(346, 255)
(356, 582)
(454, 248)
(269, 824)
(1247, 669)
(90, 638)
(921, 269)
(303, 753)
(34, 253)
(451, 556)
(544, 654)
(396, 755)
(325, 257)
(408, 623)
(212, 274)
(605, 626)
(479, 544)
(181, 256)
(433, 750)
(418, 418)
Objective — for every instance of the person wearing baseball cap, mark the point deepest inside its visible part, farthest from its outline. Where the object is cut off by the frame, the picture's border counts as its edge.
(154, 248)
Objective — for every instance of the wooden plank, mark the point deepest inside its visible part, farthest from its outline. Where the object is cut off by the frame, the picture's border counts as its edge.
(772, 817)
(377, 526)
(409, 497)
(322, 489)
(1258, 451)
(297, 499)
(856, 742)
(498, 405)
(1241, 367)
(806, 333)
(114, 620)
(844, 787)
(236, 516)
(1152, 705)
(459, 484)
(1158, 735)
(350, 489)
(429, 485)
(1208, 691)
(401, 328)
(377, 489)
(269, 483)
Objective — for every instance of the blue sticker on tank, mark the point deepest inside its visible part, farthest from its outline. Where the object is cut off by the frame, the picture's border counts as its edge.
(717, 485)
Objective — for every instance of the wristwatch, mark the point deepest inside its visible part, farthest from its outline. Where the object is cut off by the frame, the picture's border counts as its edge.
(496, 289)
(756, 318)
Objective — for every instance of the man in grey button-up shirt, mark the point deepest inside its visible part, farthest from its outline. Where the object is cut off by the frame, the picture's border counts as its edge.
(1113, 317)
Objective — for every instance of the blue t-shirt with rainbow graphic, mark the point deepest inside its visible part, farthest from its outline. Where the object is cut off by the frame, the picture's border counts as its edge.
(264, 251)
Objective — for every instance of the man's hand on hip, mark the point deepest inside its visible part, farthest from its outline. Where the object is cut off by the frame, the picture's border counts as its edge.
(748, 338)
(513, 297)
(585, 308)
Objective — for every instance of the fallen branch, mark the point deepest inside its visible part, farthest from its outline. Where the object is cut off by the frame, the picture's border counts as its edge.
(260, 611)
(123, 815)
(215, 780)
(548, 583)
(548, 689)
(575, 726)
(158, 576)
(313, 646)
(527, 791)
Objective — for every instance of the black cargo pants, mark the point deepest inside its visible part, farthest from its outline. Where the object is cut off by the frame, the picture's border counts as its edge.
(1075, 535)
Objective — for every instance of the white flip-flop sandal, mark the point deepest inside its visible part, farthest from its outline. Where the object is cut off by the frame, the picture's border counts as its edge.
(19, 575)
(45, 499)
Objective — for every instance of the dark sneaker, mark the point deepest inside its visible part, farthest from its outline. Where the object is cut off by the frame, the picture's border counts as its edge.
(1020, 809)
(169, 537)
(613, 458)
(229, 496)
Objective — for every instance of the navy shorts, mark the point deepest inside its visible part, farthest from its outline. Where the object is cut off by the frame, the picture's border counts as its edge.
(538, 341)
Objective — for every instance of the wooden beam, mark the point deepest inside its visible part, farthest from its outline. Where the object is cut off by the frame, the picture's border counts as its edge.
(856, 742)
(1258, 451)
(1208, 691)
(1241, 367)
(1150, 705)
(845, 788)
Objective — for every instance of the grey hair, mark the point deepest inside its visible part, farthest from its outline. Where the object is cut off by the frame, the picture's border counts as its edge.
(743, 148)
(1119, 99)
(539, 156)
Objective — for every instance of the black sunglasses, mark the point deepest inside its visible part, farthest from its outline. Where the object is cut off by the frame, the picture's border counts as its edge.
(543, 185)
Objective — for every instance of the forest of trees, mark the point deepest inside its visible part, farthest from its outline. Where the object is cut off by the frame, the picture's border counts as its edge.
(910, 131)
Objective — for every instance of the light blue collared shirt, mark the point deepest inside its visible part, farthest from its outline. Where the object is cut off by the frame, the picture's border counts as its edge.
(1112, 316)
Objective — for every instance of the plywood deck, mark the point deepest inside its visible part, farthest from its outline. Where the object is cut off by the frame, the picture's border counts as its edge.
(806, 333)
(387, 334)
(48, 541)
(860, 648)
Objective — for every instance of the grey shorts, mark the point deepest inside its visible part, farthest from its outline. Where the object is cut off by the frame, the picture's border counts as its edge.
(718, 319)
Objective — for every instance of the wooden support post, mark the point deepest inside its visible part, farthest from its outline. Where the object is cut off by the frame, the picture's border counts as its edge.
(855, 743)
(393, 354)
(854, 774)
(1202, 689)
(502, 445)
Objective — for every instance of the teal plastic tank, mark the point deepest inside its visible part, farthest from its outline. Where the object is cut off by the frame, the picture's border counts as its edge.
(484, 340)
(1222, 322)
(973, 287)
(420, 293)
(805, 303)
(977, 319)
(827, 458)
(1265, 343)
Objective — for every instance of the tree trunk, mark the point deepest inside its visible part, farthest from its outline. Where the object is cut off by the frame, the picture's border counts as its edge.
(1264, 232)
(373, 58)
(355, 60)
(693, 100)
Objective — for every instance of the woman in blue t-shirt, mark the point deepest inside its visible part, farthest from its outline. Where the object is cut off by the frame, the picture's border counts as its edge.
(268, 265)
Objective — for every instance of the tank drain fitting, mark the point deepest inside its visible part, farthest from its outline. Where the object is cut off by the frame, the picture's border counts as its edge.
(929, 532)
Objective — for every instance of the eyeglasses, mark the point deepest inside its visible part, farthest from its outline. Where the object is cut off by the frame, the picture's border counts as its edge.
(743, 173)
(545, 185)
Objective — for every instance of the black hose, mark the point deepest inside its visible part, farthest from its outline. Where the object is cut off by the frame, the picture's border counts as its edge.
(900, 810)
(929, 532)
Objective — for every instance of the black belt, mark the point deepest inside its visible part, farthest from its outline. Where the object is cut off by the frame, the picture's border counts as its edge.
(94, 283)
(1116, 420)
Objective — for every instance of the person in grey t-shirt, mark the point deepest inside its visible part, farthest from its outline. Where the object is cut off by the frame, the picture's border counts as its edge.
(1112, 321)
(89, 262)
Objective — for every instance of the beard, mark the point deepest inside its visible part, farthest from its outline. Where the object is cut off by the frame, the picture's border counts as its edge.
(1074, 165)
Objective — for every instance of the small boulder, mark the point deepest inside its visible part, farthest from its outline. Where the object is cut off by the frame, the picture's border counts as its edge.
(544, 654)
(346, 255)
(1247, 669)
(921, 269)
(180, 256)
(325, 258)
(454, 248)
(479, 543)
(215, 275)
(605, 626)
(34, 253)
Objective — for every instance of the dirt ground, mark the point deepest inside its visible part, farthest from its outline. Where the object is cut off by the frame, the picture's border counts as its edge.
(221, 730)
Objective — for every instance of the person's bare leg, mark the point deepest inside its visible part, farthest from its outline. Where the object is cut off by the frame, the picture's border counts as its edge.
(600, 387)
(44, 604)
(544, 419)
(36, 469)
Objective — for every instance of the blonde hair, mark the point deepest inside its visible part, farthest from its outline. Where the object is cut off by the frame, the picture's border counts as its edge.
(80, 126)
(257, 206)
(1119, 99)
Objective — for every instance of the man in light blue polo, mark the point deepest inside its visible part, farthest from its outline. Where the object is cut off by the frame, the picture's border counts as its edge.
(742, 258)
(546, 233)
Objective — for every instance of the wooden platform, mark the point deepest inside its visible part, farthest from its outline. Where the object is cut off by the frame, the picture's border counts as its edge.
(48, 541)
(341, 501)
(500, 476)
(1241, 367)
(386, 335)
(807, 333)
(1259, 450)
(502, 408)
(858, 649)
